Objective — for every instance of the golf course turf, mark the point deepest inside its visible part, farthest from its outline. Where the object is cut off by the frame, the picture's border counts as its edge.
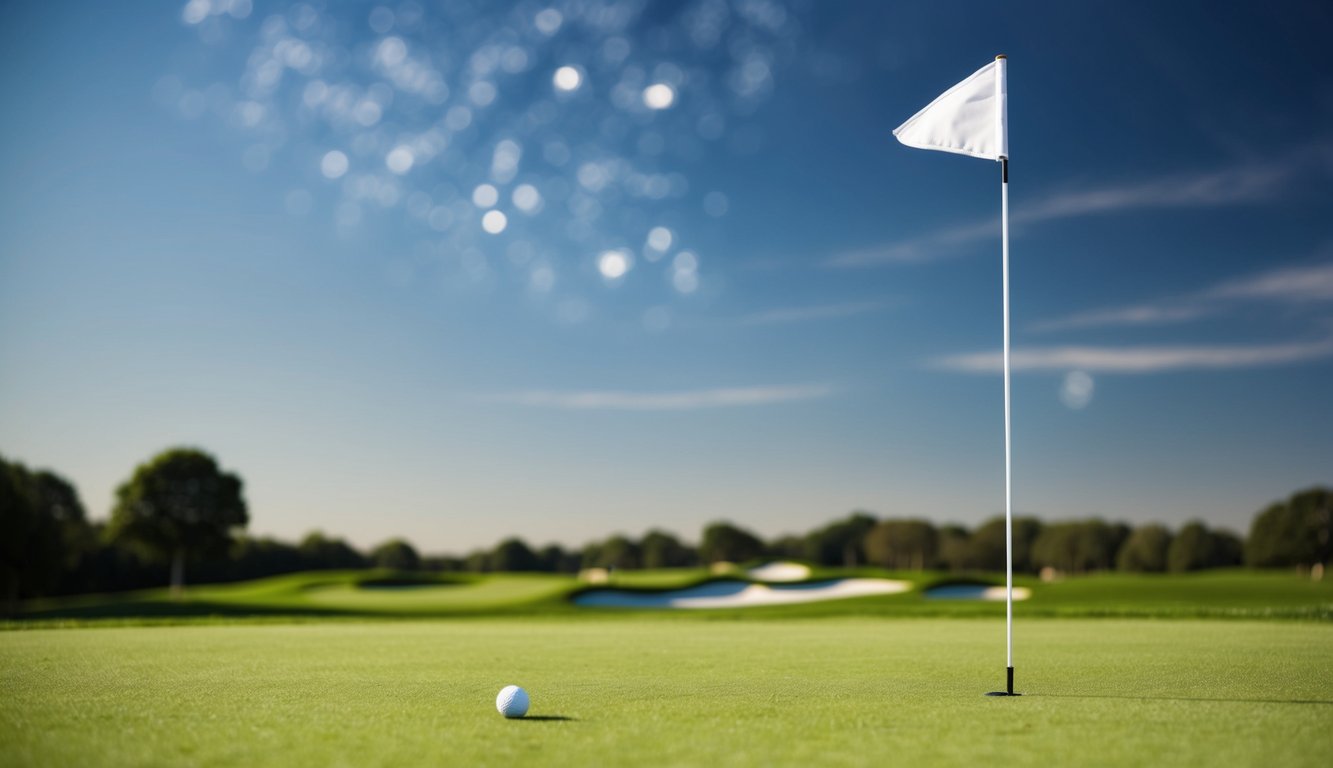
(784, 685)
(320, 594)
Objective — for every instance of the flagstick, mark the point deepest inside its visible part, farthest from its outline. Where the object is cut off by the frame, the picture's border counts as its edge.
(1008, 486)
(1002, 129)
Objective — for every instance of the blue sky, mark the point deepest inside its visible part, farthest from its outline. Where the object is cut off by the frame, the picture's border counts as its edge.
(455, 271)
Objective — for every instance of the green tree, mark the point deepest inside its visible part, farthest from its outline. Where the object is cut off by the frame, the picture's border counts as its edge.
(723, 541)
(620, 553)
(253, 558)
(986, 550)
(841, 542)
(60, 500)
(788, 547)
(1295, 532)
(179, 506)
(902, 544)
(1195, 548)
(1057, 547)
(662, 550)
(1228, 550)
(1098, 543)
(321, 552)
(1077, 546)
(443, 563)
(591, 555)
(953, 549)
(1145, 551)
(57, 501)
(478, 561)
(514, 555)
(30, 537)
(557, 560)
(396, 555)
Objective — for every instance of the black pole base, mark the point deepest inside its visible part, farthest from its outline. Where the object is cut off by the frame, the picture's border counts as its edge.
(1009, 690)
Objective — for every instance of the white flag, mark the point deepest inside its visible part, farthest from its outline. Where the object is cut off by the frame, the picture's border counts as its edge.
(970, 118)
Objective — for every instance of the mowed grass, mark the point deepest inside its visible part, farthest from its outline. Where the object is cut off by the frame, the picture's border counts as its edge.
(653, 691)
(1218, 594)
(326, 594)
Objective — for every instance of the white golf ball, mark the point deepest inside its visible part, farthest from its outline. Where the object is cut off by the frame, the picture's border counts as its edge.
(512, 701)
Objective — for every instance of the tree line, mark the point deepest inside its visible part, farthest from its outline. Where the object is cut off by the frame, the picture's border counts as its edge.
(180, 510)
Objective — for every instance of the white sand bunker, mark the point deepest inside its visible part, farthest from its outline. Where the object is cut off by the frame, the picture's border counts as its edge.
(780, 571)
(741, 594)
(974, 592)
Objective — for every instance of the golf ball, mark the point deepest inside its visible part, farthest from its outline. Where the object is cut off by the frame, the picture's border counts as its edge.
(512, 701)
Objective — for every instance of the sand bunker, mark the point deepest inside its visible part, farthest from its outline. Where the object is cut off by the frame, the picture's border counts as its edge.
(780, 571)
(741, 594)
(974, 592)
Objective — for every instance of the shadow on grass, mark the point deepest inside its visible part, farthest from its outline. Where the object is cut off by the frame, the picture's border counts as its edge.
(184, 609)
(1127, 697)
(549, 719)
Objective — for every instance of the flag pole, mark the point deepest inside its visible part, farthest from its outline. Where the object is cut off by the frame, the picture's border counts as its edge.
(1002, 135)
(1008, 476)
(956, 122)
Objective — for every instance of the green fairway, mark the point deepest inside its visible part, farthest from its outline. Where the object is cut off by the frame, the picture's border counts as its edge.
(1217, 594)
(842, 691)
(507, 590)
(1117, 669)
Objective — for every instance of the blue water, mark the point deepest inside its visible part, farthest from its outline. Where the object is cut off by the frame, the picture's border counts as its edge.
(958, 592)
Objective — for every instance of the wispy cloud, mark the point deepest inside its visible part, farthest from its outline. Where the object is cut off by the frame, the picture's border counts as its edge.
(928, 247)
(684, 400)
(1291, 284)
(1138, 315)
(804, 314)
(1231, 186)
(1286, 285)
(1248, 183)
(1138, 360)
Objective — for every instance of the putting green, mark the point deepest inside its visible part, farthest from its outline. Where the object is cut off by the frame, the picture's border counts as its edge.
(662, 691)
